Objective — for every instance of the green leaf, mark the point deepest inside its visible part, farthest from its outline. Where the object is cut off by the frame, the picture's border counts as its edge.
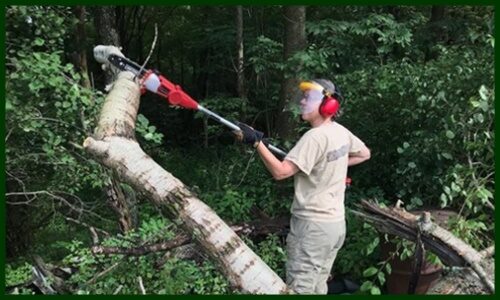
(375, 290)
(8, 105)
(370, 272)
(142, 120)
(366, 286)
(38, 42)
(416, 201)
(455, 187)
(412, 165)
(450, 134)
(371, 246)
(381, 277)
(484, 106)
(483, 92)
(446, 155)
(444, 200)
(479, 117)
(484, 193)
(388, 268)
(447, 190)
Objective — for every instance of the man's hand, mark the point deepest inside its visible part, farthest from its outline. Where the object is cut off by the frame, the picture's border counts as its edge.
(248, 135)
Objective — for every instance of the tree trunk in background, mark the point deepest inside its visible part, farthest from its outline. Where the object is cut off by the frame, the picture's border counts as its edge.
(295, 40)
(114, 145)
(436, 31)
(240, 75)
(81, 43)
(105, 23)
(80, 55)
(437, 13)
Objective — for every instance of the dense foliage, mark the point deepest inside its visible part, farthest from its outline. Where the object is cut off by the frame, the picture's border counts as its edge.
(418, 89)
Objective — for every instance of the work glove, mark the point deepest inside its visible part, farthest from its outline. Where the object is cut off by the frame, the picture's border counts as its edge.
(248, 135)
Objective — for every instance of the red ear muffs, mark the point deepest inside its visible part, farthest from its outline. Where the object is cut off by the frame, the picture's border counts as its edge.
(329, 106)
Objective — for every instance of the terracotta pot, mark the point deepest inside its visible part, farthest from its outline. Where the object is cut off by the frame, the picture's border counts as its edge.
(399, 279)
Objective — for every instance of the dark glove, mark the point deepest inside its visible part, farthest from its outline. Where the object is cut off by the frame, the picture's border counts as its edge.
(248, 135)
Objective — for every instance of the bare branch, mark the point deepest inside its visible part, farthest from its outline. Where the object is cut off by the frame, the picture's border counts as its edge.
(87, 225)
(106, 271)
(34, 195)
(151, 50)
(8, 135)
(118, 289)
(145, 249)
(141, 285)
(258, 227)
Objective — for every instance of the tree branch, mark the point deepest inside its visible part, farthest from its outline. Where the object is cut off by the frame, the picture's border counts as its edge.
(114, 145)
(450, 249)
(256, 228)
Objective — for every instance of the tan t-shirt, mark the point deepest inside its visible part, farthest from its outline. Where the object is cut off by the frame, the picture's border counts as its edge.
(322, 154)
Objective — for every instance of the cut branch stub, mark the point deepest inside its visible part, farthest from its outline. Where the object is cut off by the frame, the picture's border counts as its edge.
(114, 146)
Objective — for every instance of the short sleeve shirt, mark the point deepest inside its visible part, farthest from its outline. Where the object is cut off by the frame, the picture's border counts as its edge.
(322, 155)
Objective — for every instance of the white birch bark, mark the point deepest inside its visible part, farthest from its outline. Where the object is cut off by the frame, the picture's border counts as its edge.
(114, 145)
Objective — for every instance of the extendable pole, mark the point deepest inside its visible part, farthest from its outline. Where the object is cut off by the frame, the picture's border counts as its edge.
(233, 126)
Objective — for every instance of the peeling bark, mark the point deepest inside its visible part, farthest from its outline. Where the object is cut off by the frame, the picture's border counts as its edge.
(122, 203)
(114, 145)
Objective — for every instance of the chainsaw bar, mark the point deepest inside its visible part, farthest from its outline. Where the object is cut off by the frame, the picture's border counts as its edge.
(126, 64)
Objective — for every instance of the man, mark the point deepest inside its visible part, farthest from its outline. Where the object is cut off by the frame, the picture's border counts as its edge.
(319, 164)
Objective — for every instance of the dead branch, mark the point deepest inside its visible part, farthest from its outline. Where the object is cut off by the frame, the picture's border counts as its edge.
(143, 250)
(141, 285)
(56, 283)
(104, 272)
(488, 252)
(256, 228)
(150, 50)
(91, 228)
(450, 249)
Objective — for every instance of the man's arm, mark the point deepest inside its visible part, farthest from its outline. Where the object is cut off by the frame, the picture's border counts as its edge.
(279, 169)
(359, 157)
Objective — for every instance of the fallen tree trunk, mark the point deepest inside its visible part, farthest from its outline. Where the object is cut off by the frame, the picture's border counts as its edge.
(114, 145)
(462, 280)
(451, 250)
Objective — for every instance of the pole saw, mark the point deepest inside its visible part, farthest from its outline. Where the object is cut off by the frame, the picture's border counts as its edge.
(153, 81)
